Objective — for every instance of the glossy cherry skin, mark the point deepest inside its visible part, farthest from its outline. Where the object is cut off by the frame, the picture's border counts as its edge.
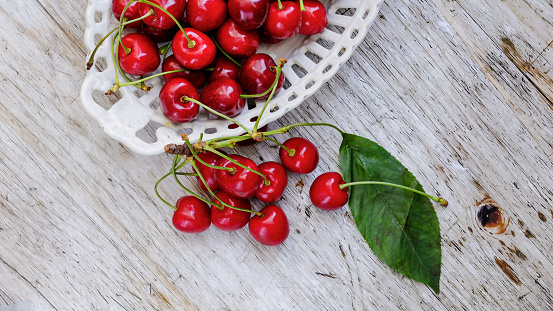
(229, 219)
(235, 41)
(206, 15)
(257, 76)
(283, 23)
(159, 35)
(276, 174)
(192, 215)
(223, 95)
(224, 68)
(313, 19)
(197, 57)
(161, 20)
(198, 78)
(248, 14)
(272, 228)
(241, 184)
(266, 37)
(132, 12)
(171, 103)
(325, 192)
(207, 172)
(143, 57)
(305, 158)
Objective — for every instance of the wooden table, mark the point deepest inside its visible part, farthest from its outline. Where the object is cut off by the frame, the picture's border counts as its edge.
(459, 91)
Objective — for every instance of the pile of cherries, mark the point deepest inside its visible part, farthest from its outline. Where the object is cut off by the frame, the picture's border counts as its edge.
(207, 49)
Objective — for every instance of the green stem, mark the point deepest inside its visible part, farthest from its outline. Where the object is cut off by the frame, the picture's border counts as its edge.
(442, 201)
(239, 164)
(186, 98)
(291, 152)
(151, 77)
(174, 172)
(157, 192)
(302, 7)
(285, 129)
(196, 157)
(269, 90)
(273, 90)
(225, 53)
(280, 6)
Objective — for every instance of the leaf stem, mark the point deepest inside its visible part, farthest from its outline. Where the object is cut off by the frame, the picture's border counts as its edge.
(442, 201)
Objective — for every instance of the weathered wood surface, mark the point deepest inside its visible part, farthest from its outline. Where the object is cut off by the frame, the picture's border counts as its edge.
(459, 91)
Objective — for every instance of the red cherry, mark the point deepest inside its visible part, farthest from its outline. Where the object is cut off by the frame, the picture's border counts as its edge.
(235, 41)
(305, 157)
(161, 20)
(283, 23)
(224, 68)
(206, 15)
(276, 174)
(313, 19)
(196, 77)
(248, 14)
(197, 57)
(143, 57)
(192, 215)
(242, 183)
(132, 11)
(207, 172)
(271, 228)
(266, 37)
(229, 219)
(223, 95)
(257, 76)
(173, 106)
(159, 35)
(325, 192)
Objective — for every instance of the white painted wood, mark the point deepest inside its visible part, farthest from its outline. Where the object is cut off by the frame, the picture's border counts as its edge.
(434, 82)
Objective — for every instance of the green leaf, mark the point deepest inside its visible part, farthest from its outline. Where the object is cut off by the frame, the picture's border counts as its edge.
(400, 226)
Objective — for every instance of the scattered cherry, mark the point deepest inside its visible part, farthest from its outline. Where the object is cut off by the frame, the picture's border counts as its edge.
(241, 183)
(271, 228)
(305, 155)
(276, 174)
(325, 192)
(229, 219)
(172, 104)
(192, 215)
(207, 172)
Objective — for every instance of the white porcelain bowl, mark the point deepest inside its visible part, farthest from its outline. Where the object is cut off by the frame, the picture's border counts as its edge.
(133, 116)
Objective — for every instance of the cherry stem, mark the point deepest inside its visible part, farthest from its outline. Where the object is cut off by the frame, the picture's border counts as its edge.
(285, 129)
(302, 7)
(196, 157)
(157, 192)
(151, 77)
(191, 43)
(278, 69)
(291, 152)
(280, 6)
(225, 53)
(229, 141)
(163, 50)
(186, 98)
(174, 172)
(239, 164)
(442, 201)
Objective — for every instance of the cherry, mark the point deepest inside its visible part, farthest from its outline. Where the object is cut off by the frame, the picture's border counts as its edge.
(192, 215)
(313, 19)
(271, 228)
(207, 172)
(196, 77)
(132, 12)
(171, 100)
(224, 68)
(142, 54)
(206, 15)
(235, 41)
(300, 156)
(201, 54)
(266, 37)
(160, 19)
(276, 174)
(223, 95)
(229, 219)
(283, 22)
(325, 192)
(159, 35)
(248, 14)
(241, 183)
(257, 74)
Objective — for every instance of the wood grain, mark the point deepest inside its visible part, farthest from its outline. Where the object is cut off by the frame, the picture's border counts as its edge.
(459, 91)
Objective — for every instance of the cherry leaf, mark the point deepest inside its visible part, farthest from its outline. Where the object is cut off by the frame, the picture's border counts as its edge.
(401, 227)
